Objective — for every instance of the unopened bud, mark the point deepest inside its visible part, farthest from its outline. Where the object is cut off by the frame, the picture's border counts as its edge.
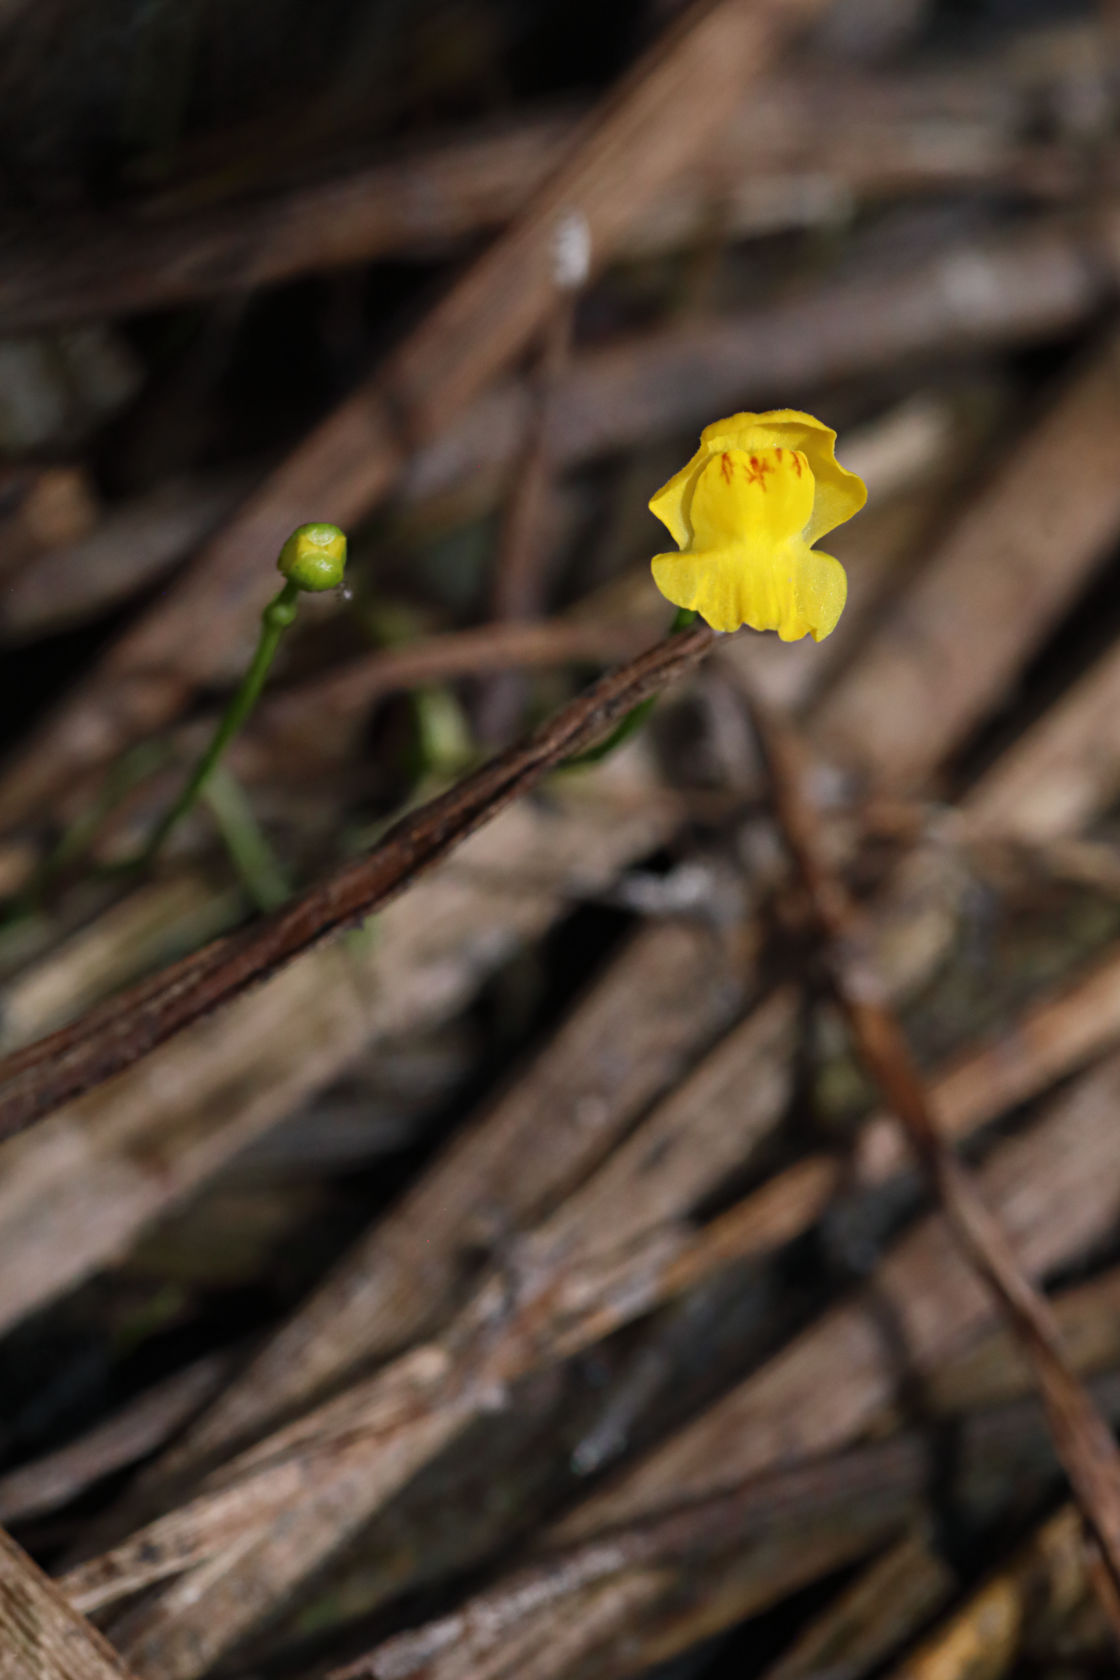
(314, 557)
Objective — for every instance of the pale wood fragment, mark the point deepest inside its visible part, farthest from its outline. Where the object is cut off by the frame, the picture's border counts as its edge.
(719, 1562)
(42, 1637)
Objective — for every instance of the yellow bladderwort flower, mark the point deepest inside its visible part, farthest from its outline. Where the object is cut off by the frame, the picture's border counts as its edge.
(745, 514)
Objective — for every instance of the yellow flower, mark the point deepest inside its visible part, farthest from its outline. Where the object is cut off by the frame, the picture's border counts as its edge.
(745, 513)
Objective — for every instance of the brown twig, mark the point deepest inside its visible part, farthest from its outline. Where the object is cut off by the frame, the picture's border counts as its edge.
(301, 716)
(517, 588)
(669, 989)
(1082, 1438)
(347, 689)
(116, 1035)
(591, 1267)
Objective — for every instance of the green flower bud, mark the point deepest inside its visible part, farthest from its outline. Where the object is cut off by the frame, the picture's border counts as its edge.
(314, 557)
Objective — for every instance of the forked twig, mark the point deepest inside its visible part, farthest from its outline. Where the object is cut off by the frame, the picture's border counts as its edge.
(1082, 1438)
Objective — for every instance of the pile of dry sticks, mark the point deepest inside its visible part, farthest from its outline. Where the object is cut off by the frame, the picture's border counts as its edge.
(662, 1215)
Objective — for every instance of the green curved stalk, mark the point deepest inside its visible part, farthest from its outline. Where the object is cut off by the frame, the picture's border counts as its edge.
(277, 616)
(253, 857)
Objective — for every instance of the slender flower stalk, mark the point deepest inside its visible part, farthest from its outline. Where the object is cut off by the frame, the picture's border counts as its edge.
(312, 559)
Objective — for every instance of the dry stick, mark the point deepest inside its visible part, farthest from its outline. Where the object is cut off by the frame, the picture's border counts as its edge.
(517, 588)
(347, 689)
(898, 1594)
(114, 1036)
(667, 109)
(848, 1502)
(646, 1259)
(383, 1427)
(1082, 1438)
(42, 1636)
(654, 1273)
(804, 1511)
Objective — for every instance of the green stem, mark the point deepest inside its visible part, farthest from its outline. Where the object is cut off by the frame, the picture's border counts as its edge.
(253, 857)
(633, 721)
(277, 616)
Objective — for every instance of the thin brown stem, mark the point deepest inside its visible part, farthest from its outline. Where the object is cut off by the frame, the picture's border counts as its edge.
(1082, 1438)
(118, 1033)
(518, 584)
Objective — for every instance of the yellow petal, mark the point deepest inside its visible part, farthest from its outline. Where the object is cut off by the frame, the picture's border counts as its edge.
(710, 584)
(761, 498)
(789, 588)
(840, 493)
(822, 589)
(672, 503)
